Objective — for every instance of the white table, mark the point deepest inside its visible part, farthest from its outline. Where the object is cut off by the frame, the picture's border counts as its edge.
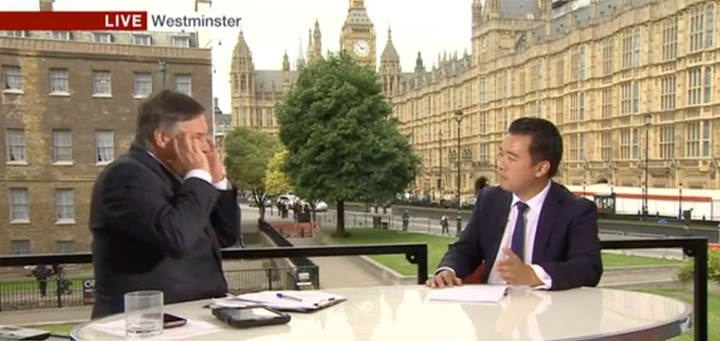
(399, 313)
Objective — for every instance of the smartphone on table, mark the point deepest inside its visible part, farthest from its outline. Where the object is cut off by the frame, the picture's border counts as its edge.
(172, 321)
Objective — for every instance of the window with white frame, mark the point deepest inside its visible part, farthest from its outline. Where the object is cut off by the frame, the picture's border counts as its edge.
(65, 246)
(697, 137)
(608, 56)
(538, 75)
(506, 84)
(577, 107)
(629, 147)
(16, 145)
(19, 205)
(575, 64)
(143, 84)
(669, 39)
(627, 50)
(626, 98)
(59, 81)
(707, 86)
(668, 97)
(636, 97)
(484, 153)
(20, 247)
(62, 146)
(607, 111)
(695, 86)
(667, 142)
(183, 83)
(102, 83)
(65, 205)
(180, 41)
(573, 144)
(101, 37)
(701, 28)
(104, 146)
(483, 122)
(560, 72)
(636, 48)
(483, 90)
(12, 78)
(142, 39)
(61, 35)
(606, 146)
(17, 34)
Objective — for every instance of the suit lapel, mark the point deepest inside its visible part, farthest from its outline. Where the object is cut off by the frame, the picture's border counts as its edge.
(495, 229)
(550, 210)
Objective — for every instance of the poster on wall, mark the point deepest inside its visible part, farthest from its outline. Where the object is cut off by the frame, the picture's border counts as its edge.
(605, 204)
(88, 291)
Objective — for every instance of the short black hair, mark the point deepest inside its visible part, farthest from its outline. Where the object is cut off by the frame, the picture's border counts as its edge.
(162, 111)
(545, 140)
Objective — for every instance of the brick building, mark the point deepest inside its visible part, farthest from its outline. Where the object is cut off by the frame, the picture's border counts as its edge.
(67, 108)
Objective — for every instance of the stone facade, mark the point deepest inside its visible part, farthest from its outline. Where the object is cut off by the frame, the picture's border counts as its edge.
(63, 103)
(607, 72)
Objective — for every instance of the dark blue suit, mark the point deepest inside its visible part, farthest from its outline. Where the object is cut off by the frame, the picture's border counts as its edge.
(566, 245)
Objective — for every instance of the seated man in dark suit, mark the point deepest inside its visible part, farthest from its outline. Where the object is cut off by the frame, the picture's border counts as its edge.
(160, 214)
(528, 231)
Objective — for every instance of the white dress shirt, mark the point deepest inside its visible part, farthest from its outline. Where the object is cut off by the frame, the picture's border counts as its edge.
(532, 215)
(222, 185)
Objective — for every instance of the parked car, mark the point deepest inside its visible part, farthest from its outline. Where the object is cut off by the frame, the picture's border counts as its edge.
(321, 206)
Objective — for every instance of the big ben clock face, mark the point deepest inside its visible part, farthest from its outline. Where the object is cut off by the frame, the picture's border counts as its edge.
(361, 48)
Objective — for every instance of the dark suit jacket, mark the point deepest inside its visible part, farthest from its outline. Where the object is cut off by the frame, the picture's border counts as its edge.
(153, 232)
(566, 245)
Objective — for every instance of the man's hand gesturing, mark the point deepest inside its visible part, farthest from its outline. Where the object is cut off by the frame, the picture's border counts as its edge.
(189, 154)
(443, 279)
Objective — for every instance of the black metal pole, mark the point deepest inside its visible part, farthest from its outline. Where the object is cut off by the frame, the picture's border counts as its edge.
(459, 213)
(700, 291)
(647, 170)
(440, 162)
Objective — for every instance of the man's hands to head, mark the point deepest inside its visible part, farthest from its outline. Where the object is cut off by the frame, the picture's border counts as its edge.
(512, 269)
(189, 154)
(444, 279)
(217, 169)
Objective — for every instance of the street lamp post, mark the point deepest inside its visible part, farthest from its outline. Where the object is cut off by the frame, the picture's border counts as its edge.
(458, 117)
(680, 212)
(648, 118)
(584, 189)
(440, 162)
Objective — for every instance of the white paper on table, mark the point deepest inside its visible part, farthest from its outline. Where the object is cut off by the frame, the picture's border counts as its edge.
(190, 329)
(468, 294)
(231, 302)
(310, 300)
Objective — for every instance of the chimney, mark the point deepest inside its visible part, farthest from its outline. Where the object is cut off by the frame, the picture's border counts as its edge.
(46, 5)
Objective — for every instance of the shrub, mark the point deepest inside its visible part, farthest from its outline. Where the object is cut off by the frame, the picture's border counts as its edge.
(686, 272)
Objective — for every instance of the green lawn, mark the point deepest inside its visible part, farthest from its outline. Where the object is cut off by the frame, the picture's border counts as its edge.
(713, 315)
(438, 245)
(713, 312)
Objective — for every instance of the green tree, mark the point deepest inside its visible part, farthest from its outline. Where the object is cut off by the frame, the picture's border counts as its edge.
(276, 181)
(247, 152)
(342, 143)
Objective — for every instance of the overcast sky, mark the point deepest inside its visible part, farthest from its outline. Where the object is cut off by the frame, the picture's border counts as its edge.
(273, 26)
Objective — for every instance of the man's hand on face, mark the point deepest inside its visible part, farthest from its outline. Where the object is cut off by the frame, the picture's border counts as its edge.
(514, 271)
(188, 154)
(217, 169)
(443, 279)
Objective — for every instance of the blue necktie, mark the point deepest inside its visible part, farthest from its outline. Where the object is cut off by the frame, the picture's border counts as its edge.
(518, 237)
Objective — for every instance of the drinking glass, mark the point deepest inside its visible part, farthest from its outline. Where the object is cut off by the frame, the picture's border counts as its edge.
(143, 314)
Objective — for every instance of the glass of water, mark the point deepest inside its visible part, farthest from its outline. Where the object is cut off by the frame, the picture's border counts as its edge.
(143, 314)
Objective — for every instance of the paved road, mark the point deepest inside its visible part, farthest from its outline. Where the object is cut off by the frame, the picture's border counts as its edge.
(425, 225)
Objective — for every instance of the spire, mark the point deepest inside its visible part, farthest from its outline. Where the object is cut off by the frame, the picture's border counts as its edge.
(317, 40)
(389, 54)
(309, 50)
(286, 62)
(419, 66)
(477, 12)
(301, 57)
(241, 56)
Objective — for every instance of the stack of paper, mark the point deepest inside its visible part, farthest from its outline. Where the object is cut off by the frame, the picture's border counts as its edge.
(291, 300)
(193, 328)
(469, 294)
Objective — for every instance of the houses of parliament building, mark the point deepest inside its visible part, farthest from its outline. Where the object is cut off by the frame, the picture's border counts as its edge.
(629, 83)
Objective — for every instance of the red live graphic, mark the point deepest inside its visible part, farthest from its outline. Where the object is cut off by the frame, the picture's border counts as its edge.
(73, 21)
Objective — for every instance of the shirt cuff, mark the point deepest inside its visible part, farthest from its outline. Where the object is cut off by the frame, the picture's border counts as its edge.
(543, 276)
(223, 184)
(444, 268)
(200, 174)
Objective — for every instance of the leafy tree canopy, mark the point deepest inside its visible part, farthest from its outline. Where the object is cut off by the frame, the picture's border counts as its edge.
(276, 181)
(342, 143)
(247, 152)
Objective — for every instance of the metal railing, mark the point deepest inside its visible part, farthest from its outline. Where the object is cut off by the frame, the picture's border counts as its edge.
(695, 247)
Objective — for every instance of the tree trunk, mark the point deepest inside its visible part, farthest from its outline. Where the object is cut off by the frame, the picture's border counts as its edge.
(340, 228)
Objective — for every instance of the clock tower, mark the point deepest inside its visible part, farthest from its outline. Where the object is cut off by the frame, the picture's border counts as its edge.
(358, 35)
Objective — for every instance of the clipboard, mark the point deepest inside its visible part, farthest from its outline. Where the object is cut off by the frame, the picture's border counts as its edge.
(292, 301)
